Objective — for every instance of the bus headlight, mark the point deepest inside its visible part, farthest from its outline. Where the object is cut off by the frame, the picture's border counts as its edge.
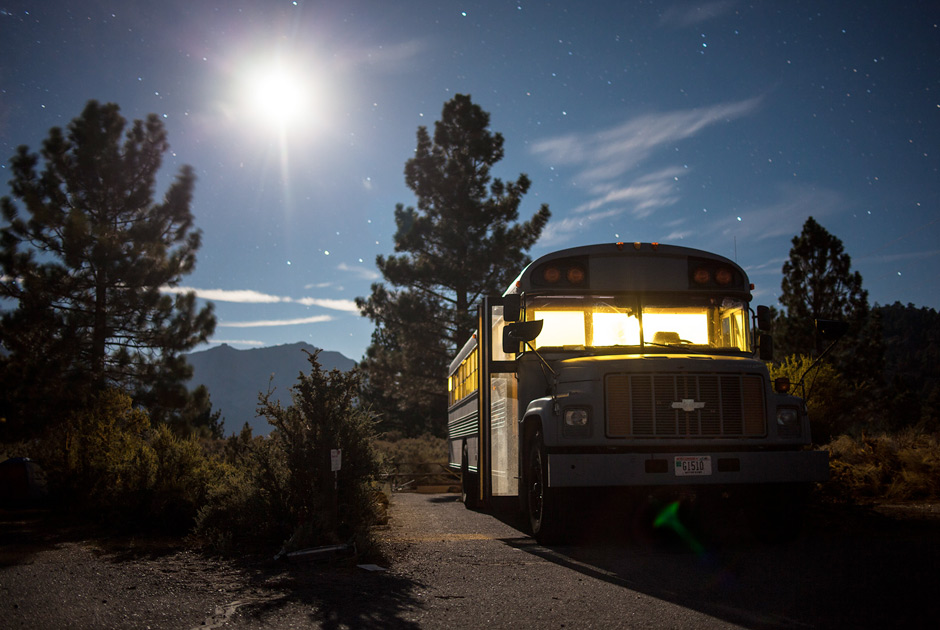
(576, 417)
(788, 422)
(577, 422)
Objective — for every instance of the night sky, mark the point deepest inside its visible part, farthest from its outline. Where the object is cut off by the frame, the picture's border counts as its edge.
(719, 125)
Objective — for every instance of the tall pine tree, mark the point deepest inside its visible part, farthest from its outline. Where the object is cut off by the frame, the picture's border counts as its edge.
(85, 264)
(460, 241)
(818, 283)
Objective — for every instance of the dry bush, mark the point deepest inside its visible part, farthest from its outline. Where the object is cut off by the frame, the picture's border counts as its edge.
(900, 467)
(106, 461)
(413, 455)
(284, 487)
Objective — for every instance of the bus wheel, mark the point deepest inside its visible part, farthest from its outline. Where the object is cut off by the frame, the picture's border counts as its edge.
(469, 482)
(547, 514)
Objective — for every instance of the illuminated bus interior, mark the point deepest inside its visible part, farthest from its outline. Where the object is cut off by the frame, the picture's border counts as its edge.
(573, 323)
(463, 382)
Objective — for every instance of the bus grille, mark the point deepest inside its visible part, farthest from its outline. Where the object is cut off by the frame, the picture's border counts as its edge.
(685, 405)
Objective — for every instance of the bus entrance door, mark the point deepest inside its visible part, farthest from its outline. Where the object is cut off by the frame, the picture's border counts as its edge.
(499, 410)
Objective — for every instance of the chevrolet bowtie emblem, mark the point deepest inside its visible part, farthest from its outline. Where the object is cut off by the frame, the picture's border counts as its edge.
(688, 405)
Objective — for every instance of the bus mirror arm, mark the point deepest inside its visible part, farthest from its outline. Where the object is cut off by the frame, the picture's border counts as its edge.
(524, 332)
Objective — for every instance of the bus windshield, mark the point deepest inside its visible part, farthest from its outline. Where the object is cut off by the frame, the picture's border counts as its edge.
(602, 322)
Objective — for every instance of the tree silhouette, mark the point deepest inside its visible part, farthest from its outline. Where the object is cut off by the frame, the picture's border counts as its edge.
(85, 265)
(460, 241)
(818, 283)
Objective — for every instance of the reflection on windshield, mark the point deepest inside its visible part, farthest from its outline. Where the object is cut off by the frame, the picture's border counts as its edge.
(580, 322)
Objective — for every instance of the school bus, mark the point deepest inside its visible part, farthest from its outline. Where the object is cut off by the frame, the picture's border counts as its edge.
(635, 366)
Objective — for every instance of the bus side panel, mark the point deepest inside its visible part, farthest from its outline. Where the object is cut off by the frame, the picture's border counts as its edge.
(463, 425)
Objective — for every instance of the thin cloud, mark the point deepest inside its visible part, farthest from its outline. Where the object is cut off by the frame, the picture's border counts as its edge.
(336, 305)
(266, 323)
(639, 198)
(397, 57)
(609, 154)
(240, 342)
(683, 16)
(363, 272)
(785, 217)
(602, 160)
(243, 296)
(897, 257)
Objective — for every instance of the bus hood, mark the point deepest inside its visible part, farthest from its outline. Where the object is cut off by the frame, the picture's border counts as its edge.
(588, 368)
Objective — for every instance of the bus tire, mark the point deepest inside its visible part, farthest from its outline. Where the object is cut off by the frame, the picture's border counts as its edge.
(469, 482)
(544, 506)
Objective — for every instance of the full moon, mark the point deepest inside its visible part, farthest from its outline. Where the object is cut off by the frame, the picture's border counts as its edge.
(277, 95)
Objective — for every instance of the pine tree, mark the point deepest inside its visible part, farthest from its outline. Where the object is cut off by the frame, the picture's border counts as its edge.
(818, 283)
(86, 264)
(460, 242)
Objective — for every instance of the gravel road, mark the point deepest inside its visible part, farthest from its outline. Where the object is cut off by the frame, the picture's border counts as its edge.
(449, 567)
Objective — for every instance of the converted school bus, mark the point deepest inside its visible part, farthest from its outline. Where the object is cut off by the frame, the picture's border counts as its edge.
(630, 366)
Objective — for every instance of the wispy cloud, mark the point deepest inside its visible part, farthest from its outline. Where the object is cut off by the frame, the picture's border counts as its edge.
(395, 57)
(638, 198)
(784, 217)
(265, 323)
(366, 273)
(602, 160)
(244, 296)
(609, 154)
(236, 342)
(690, 15)
(905, 256)
(336, 305)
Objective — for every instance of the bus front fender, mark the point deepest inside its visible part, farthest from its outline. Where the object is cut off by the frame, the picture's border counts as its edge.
(540, 412)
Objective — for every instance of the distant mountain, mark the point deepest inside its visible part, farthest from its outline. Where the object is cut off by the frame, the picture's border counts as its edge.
(236, 377)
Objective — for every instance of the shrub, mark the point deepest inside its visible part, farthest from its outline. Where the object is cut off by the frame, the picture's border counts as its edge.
(830, 399)
(902, 467)
(105, 460)
(284, 484)
(420, 456)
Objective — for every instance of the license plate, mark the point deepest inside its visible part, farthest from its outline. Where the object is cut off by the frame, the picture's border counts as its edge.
(693, 465)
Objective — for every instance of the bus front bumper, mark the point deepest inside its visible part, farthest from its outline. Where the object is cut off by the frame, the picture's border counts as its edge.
(682, 469)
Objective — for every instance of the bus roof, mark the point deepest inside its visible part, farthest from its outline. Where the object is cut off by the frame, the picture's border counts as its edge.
(642, 267)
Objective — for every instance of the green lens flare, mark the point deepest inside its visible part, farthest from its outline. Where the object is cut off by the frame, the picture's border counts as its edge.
(669, 517)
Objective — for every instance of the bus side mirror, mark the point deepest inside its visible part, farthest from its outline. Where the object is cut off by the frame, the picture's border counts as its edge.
(520, 332)
(512, 307)
(765, 320)
(765, 346)
(830, 329)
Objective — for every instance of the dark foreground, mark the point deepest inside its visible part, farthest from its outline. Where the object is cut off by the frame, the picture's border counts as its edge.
(449, 567)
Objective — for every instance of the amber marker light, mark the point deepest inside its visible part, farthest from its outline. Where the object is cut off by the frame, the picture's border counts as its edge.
(723, 276)
(575, 275)
(551, 275)
(701, 276)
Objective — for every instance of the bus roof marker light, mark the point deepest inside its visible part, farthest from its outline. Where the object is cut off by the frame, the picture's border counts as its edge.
(575, 275)
(723, 276)
(620, 246)
(551, 275)
(636, 245)
(655, 246)
(701, 276)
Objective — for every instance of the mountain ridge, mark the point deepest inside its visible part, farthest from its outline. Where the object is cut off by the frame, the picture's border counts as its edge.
(236, 377)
